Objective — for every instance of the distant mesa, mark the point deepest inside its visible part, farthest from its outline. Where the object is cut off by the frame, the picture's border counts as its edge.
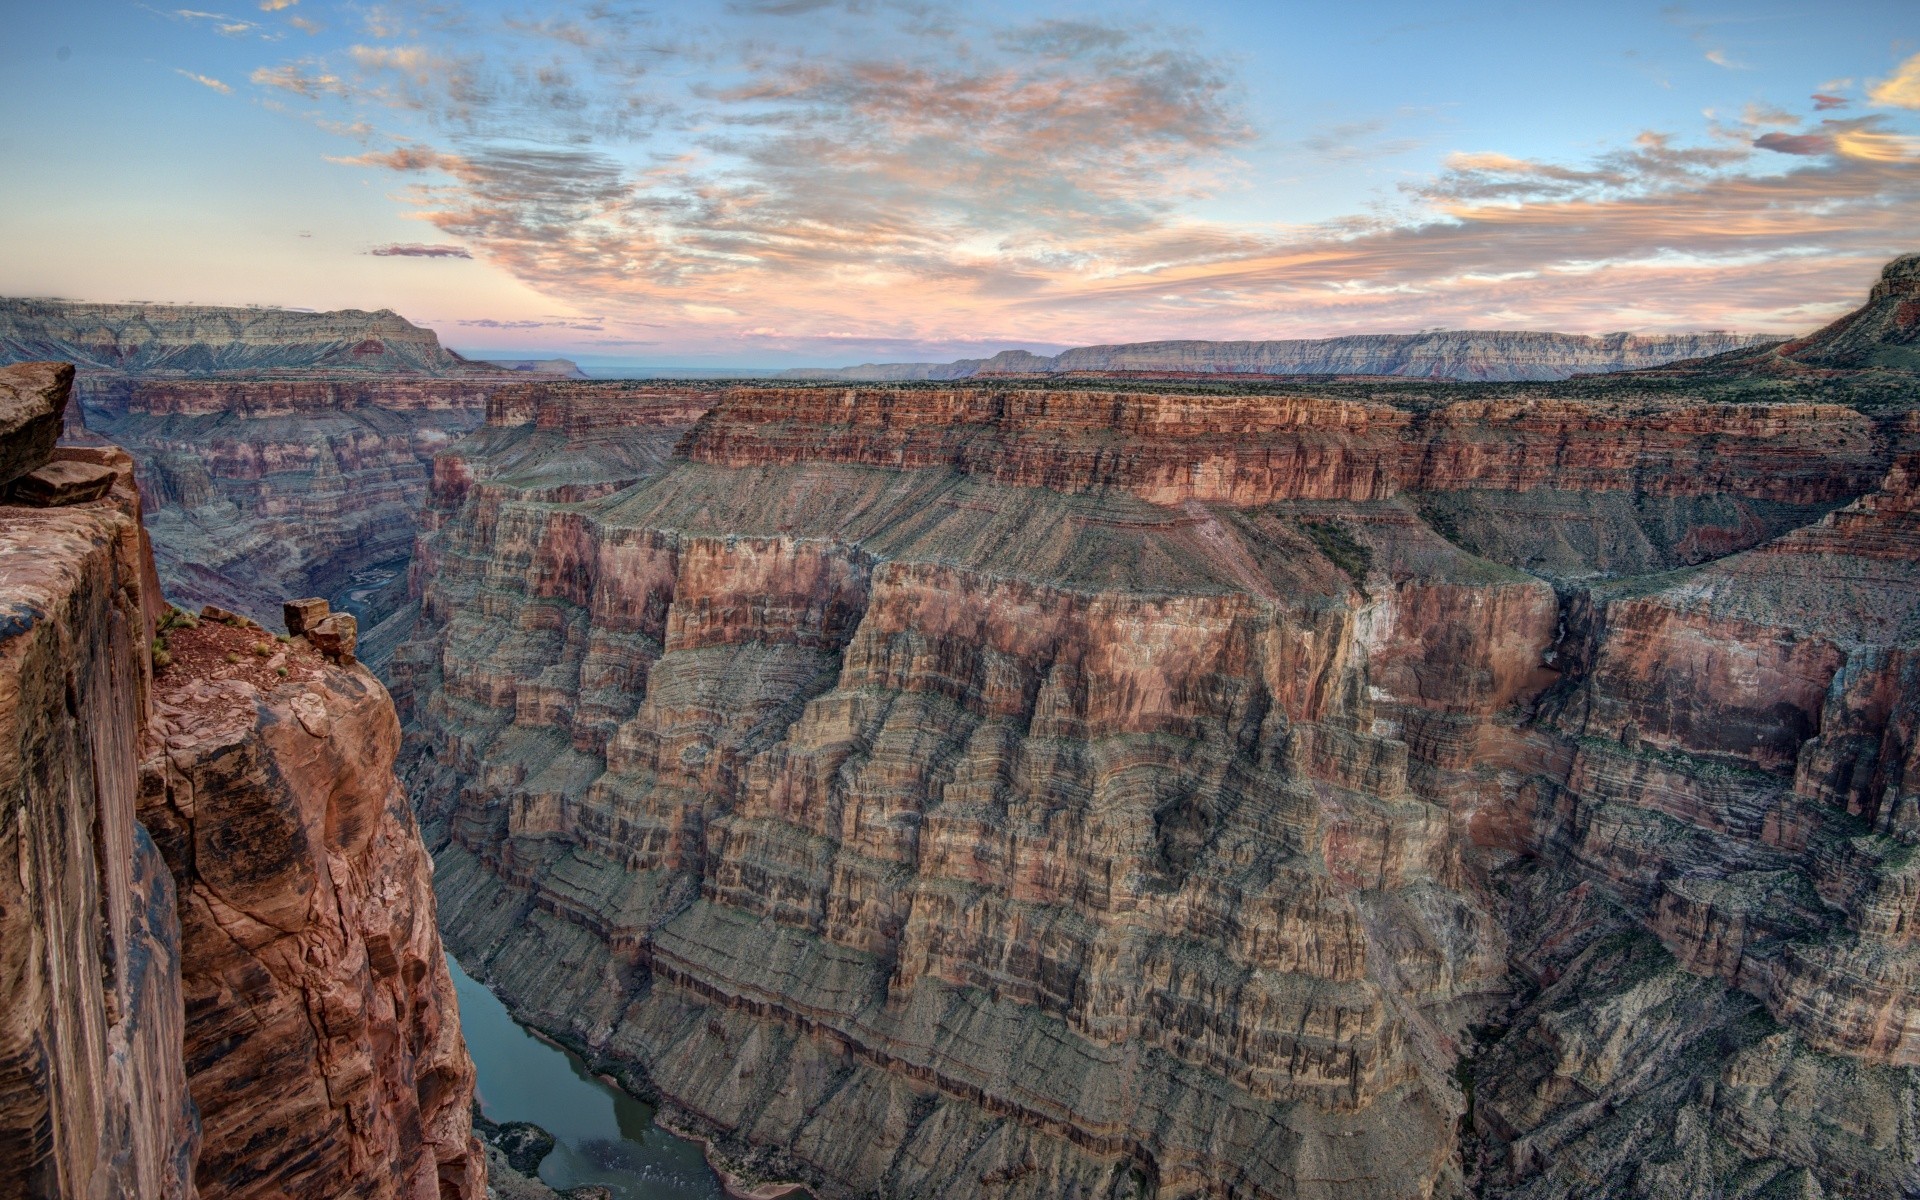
(195, 339)
(543, 368)
(1468, 355)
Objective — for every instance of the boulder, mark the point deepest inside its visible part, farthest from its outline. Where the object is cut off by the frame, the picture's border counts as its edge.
(61, 483)
(33, 399)
(336, 637)
(302, 615)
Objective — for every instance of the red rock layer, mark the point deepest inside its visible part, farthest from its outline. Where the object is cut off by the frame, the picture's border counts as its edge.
(1247, 450)
(258, 1005)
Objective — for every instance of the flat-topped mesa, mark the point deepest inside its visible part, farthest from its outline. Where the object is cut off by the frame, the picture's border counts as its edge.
(1255, 449)
(198, 338)
(1478, 355)
(577, 409)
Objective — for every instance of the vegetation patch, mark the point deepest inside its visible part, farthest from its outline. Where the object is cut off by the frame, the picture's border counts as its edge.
(1337, 542)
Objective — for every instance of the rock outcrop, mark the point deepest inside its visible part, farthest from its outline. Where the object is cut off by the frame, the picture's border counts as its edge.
(261, 489)
(980, 792)
(219, 971)
(1486, 355)
(323, 1042)
(197, 339)
(93, 1094)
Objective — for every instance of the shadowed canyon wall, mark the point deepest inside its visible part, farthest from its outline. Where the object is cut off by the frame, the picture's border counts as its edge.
(221, 974)
(988, 793)
(279, 453)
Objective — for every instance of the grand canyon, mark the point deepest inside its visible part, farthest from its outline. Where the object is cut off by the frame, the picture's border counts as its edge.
(832, 600)
(1372, 787)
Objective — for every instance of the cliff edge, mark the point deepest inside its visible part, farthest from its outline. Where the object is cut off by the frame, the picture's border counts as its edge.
(219, 971)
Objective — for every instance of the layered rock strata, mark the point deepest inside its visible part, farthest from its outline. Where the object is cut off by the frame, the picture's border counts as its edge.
(257, 490)
(254, 1002)
(93, 1095)
(137, 339)
(1043, 794)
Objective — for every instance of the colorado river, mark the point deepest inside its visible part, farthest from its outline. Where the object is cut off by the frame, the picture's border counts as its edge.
(601, 1134)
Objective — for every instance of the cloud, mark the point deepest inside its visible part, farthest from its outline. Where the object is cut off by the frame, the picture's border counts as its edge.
(276, 5)
(889, 175)
(1795, 143)
(588, 325)
(400, 158)
(1900, 89)
(418, 250)
(221, 22)
(1823, 102)
(300, 78)
(205, 81)
(1720, 58)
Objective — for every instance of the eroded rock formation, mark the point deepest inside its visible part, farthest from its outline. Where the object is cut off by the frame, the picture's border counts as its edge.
(252, 1000)
(141, 339)
(323, 1043)
(987, 793)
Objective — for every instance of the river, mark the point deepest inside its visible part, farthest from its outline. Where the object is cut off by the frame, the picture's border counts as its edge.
(601, 1134)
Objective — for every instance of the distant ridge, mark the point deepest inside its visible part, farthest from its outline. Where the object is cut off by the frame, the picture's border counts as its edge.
(195, 339)
(1481, 355)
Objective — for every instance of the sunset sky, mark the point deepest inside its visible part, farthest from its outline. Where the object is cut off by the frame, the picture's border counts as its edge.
(788, 182)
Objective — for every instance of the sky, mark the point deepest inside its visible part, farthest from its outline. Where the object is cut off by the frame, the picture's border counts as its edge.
(819, 182)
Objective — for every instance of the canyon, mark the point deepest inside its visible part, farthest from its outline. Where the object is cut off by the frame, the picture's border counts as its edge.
(1472, 355)
(220, 972)
(1074, 780)
(1358, 790)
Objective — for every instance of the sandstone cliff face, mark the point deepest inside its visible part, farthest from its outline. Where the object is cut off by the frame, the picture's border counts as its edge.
(323, 1043)
(1047, 794)
(93, 1097)
(1460, 354)
(255, 1004)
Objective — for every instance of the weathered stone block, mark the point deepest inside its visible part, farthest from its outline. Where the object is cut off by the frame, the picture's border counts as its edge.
(302, 615)
(61, 483)
(336, 637)
(33, 399)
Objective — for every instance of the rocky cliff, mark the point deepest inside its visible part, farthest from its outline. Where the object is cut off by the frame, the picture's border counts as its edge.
(1332, 793)
(220, 974)
(1458, 354)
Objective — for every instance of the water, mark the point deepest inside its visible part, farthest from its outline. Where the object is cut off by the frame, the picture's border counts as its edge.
(601, 1134)
(361, 585)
